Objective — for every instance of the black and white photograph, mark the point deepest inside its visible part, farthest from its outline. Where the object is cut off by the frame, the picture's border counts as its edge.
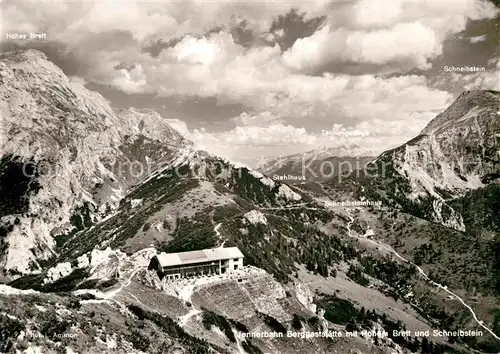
(250, 176)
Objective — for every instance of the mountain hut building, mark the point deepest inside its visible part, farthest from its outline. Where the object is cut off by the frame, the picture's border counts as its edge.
(197, 263)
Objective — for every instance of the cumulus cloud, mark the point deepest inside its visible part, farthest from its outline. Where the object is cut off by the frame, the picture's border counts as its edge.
(146, 21)
(356, 98)
(243, 144)
(76, 80)
(409, 44)
(131, 81)
(404, 34)
(179, 125)
(375, 13)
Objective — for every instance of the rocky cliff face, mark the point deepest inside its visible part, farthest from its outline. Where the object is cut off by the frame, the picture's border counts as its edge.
(318, 165)
(457, 152)
(70, 148)
(460, 148)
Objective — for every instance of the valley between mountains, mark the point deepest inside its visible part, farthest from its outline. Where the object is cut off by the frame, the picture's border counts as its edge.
(90, 194)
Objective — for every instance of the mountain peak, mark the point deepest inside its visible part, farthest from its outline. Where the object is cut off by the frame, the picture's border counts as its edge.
(465, 103)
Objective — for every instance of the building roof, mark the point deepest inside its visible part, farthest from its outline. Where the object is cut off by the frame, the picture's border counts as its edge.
(191, 257)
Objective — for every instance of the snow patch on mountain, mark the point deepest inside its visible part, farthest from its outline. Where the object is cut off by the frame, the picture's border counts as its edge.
(111, 341)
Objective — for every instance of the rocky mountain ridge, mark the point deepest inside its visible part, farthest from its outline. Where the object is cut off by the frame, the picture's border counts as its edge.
(458, 152)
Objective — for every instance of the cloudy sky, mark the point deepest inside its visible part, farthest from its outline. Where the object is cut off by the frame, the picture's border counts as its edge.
(250, 78)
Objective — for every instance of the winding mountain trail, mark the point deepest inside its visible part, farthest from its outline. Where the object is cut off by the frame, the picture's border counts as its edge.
(217, 232)
(139, 301)
(185, 294)
(109, 297)
(421, 272)
(112, 293)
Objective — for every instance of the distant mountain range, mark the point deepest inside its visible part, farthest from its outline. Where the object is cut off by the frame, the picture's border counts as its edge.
(89, 195)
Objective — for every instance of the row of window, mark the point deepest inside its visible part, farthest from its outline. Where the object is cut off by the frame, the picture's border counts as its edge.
(174, 274)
